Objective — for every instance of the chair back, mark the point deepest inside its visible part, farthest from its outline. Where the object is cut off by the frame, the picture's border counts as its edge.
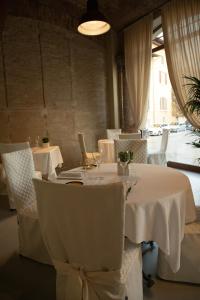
(137, 146)
(11, 147)
(82, 143)
(19, 169)
(130, 136)
(81, 224)
(113, 134)
(164, 140)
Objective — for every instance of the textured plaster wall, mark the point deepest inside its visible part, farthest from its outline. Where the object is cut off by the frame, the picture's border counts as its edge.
(51, 81)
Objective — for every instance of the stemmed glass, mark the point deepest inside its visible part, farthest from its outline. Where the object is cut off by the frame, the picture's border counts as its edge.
(97, 158)
(29, 140)
(37, 141)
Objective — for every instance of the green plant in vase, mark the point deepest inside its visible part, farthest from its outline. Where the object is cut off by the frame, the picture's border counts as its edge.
(125, 158)
(45, 142)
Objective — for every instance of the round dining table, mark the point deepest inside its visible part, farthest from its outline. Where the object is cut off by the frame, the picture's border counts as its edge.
(157, 207)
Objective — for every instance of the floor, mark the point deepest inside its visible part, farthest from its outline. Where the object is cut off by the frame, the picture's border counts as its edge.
(23, 279)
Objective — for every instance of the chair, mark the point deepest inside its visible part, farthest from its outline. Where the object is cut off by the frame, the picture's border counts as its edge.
(11, 147)
(19, 169)
(131, 136)
(190, 256)
(159, 158)
(7, 148)
(137, 146)
(113, 134)
(86, 156)
(83, 230)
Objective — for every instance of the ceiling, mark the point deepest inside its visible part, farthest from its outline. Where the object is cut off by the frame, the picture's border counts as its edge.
(121, 13)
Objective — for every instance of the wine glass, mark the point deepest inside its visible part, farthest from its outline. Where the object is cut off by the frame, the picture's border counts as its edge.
(29, 140)
(97, 158)
(37, 141)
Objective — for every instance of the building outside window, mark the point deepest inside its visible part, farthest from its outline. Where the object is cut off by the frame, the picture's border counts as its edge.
(163, 103)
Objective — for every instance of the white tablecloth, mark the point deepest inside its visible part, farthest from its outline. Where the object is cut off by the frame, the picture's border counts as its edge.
(106, 148)
(157, 207)
(47, 159)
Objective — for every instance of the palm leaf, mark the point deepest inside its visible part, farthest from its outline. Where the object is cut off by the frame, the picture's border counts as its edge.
(193, 101)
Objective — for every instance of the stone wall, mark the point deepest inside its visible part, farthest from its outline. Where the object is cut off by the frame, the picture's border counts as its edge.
(52, 81)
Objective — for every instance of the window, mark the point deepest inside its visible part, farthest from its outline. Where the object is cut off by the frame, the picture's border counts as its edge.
(165, 78)
(162, 77)
(163, 103)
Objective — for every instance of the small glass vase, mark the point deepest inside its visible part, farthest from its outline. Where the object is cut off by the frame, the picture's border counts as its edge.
(122, 170)
(45, 145)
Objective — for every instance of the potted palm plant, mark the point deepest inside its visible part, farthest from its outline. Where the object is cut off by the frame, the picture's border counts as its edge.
(193, 102)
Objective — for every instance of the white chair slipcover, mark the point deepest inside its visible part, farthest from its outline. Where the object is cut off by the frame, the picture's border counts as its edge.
(113, 134)
(137, 146)
(131, 136)
(190, 256)
(86, 242)
(87, 156)
(106, 148)
(19, 169)
(11, 147)
(159, 158)
(7, 148)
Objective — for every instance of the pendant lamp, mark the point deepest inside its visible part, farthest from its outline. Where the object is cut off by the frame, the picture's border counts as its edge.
(93, 21)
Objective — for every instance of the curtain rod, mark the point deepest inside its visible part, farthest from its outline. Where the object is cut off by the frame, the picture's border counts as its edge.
(152, 11)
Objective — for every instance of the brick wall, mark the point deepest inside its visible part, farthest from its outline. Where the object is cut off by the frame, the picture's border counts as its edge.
(53, 81)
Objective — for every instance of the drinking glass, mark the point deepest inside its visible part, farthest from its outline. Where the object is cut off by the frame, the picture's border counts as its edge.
(97, 159)
(29, 140)
(37, 141)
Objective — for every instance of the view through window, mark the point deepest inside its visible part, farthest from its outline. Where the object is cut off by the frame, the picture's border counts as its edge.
(164, 112)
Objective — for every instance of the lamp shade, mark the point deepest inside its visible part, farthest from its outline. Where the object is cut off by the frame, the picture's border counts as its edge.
(93, 22)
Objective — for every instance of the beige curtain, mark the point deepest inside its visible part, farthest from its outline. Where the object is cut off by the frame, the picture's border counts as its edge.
(138, 45)
(181, 28)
